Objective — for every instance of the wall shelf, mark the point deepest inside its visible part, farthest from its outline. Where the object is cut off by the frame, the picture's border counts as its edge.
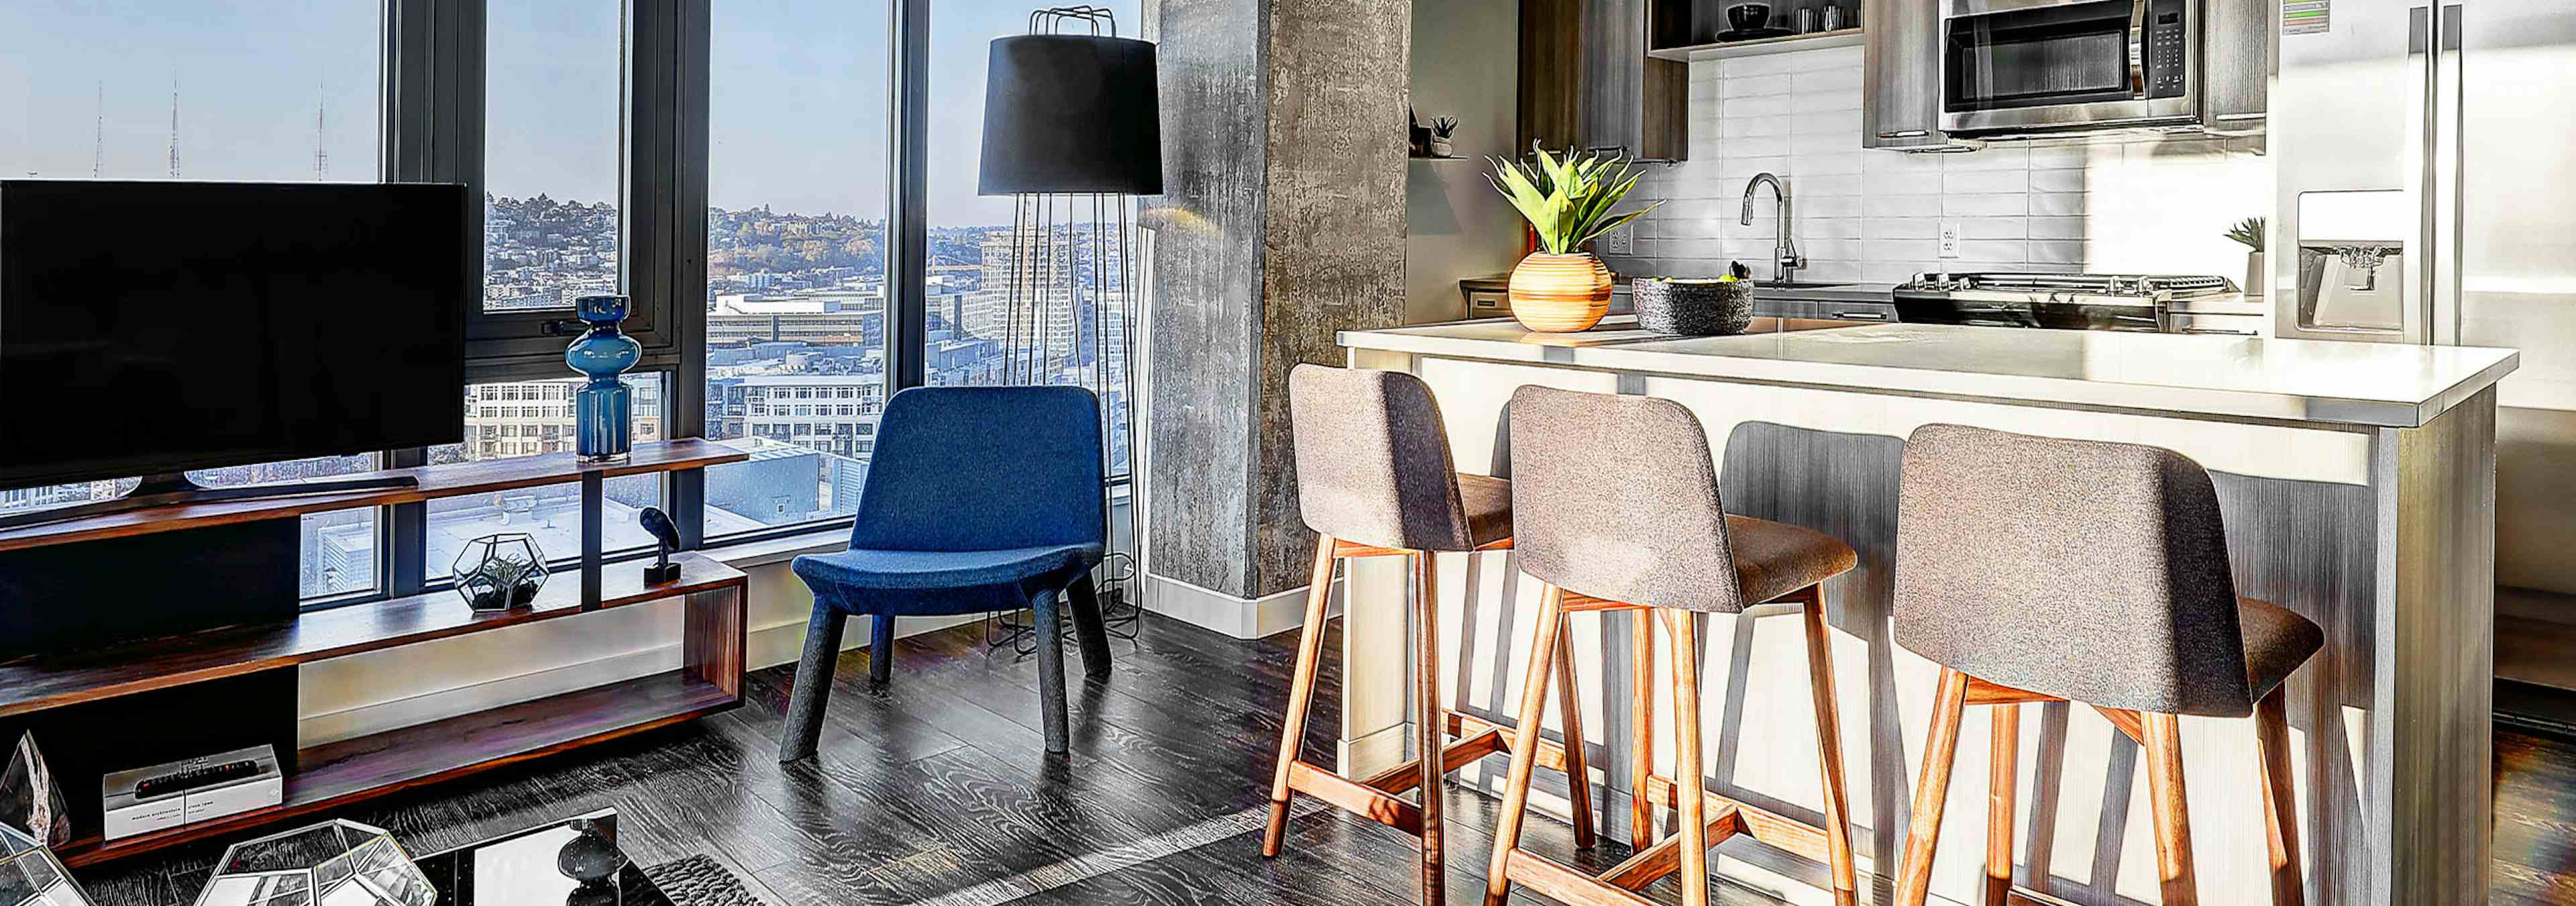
(1848, 37)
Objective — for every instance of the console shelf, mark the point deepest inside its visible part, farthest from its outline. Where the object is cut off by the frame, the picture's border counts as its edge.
(126, 687)
(445, 480)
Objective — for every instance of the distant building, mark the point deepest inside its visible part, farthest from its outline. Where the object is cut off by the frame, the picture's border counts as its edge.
(524, 419)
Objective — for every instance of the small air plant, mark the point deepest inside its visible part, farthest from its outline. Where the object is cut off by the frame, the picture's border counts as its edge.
(504, 581)
(1443, 127)
(2248, 232)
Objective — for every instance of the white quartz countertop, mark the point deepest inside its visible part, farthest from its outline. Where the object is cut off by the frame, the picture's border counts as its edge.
(2375, 384)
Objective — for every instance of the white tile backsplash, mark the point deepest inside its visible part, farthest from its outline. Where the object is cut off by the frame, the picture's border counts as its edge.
(1875, 216)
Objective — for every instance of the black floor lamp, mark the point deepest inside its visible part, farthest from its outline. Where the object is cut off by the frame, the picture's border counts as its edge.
(1073, 132)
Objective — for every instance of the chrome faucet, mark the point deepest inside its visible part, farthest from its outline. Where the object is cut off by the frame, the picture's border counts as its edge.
(1785, 260)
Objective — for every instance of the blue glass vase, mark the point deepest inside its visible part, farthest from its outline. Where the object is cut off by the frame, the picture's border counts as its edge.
(603, 410)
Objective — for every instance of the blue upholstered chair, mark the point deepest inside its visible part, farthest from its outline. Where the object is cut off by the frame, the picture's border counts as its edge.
(978, 499)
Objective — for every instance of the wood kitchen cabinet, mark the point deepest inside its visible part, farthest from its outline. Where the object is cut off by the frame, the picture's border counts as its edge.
(1900, 103)
(1587, 83)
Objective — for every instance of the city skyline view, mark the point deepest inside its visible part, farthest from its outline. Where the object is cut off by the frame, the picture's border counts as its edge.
(799, 129)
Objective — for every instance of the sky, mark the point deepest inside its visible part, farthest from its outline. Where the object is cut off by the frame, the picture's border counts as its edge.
(798, 115)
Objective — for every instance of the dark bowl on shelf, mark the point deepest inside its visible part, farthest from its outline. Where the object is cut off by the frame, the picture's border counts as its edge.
(1748, 16)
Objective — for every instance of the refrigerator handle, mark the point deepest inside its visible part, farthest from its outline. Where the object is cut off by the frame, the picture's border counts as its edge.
(2448, 181)
(2423, 111)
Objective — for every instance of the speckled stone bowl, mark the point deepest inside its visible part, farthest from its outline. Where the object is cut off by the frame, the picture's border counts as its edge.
(1695, 308)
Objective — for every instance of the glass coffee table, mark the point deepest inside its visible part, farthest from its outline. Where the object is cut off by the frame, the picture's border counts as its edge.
(574, 862)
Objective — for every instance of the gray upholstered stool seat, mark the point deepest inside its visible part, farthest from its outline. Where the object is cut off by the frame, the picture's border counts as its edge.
(1617, 500)
(2038, 569)
(1375, 479)
(2277, 641)
(1775, 558)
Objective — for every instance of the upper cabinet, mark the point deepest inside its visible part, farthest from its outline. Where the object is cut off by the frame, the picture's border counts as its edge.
(1900, 104)
(1587, 83)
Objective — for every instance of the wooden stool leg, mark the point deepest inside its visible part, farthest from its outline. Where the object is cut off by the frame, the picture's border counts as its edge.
(1428, 721)
(1301, 692)
(2172, 815)
(1641, 742)
(1578, 766)
(2280, 799)
(1829, 748)
(1507, 831)
(1687, 769)
(1932, 791)
(2002, 776)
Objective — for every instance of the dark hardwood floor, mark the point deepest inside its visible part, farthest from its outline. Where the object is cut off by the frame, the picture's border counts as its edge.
(937, 790)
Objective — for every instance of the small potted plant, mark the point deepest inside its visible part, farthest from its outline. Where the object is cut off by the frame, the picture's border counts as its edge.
(499, 572)
(1561, 288)
(2249, 233)
(1442, 128)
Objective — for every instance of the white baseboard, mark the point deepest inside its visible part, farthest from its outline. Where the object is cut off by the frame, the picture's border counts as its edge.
(765, 646)
(1242, 618)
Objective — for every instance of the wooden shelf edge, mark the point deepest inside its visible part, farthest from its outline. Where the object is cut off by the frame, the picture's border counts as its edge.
(344, 627)
(1847, 37)
(437, 482)
(447, 749)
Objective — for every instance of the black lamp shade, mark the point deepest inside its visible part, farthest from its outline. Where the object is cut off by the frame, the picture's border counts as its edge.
(1072, 114)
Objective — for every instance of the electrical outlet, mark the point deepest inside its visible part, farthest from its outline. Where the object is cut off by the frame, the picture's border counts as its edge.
(1621, 241)
(1949, 239)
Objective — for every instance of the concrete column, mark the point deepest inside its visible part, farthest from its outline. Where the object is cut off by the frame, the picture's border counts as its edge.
(1282, 221)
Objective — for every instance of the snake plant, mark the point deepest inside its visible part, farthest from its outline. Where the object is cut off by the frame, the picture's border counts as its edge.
(1567, 201)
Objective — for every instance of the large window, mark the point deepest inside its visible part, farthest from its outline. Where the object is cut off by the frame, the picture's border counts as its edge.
(1064, 325)
(796, 300)
(551, 132)
(272, 90)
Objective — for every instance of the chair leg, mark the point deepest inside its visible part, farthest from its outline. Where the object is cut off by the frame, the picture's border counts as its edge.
(2003, 774)
(813, 687)
(1641, 739)
(1829, 748)
(1688, 770)
(1932, 791)
(2280, 799)
(1051, 708)
(2172, 815)
(1578, 766)
(1429, 740)
(1087, 628)
(1507, 831)
(881, 649)
(1301, 692)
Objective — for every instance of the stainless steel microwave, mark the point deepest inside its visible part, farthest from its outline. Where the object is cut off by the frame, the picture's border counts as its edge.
(2051, 65)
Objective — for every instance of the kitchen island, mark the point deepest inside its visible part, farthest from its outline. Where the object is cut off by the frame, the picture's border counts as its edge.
(2357, 482)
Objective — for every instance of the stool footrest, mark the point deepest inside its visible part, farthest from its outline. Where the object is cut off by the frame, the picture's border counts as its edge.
(1781, 832)
(1406, 776)
(1661, 860)
(1567, 885)
(1550, 755)
(1351, 796)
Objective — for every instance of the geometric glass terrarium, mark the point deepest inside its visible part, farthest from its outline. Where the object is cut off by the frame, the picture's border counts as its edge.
(29, 876)
(499, 572)
(341, 863)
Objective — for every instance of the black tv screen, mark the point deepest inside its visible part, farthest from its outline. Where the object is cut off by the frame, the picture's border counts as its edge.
(155, 327)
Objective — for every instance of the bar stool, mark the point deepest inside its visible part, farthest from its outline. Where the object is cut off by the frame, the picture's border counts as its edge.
(1374, 479)
(2034, 570)
(1618, 509)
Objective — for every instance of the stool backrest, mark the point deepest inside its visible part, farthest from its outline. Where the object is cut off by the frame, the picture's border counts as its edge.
(984, 468)
(2089, 570)
(1373, 461)
(1616, 497)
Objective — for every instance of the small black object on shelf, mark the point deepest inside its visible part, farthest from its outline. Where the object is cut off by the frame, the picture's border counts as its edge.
(666, 537)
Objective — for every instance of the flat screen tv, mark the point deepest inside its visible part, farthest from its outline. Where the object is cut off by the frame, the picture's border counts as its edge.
(150, 328)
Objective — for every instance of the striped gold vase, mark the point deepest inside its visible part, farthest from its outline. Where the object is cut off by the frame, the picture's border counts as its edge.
(1560, 293)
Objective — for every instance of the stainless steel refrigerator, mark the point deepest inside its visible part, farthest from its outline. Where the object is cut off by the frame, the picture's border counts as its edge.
(2426, 162)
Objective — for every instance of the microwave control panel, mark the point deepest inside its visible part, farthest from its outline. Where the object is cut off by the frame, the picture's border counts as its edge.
(2168, 35)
